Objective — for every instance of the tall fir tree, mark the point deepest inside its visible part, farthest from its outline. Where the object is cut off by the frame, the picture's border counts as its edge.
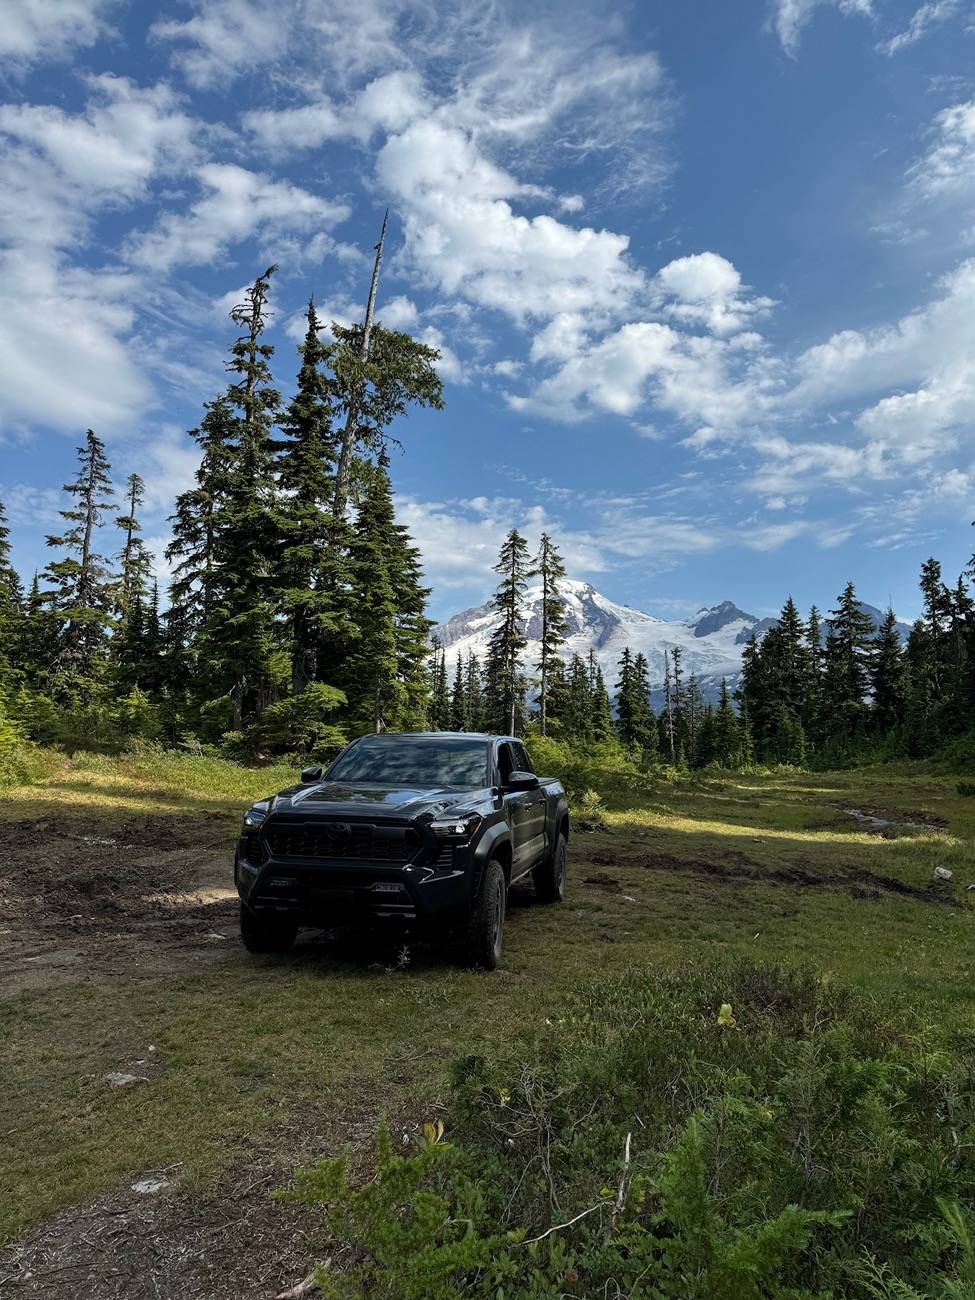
(847, 665)
(134, 559)
(506, 686)
(549, 567)
(81, 584)
(11, 610)
(887, 677)
(311, 570)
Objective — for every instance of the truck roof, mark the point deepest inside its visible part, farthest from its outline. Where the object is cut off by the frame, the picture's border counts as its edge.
(434, 735)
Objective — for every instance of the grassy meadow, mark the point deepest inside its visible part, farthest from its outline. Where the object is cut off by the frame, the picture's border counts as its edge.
(302, 1054)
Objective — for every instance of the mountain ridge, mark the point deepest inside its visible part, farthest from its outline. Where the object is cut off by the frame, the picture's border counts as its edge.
(712, 638)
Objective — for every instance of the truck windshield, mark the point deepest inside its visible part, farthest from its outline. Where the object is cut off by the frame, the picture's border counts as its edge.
(395, 760)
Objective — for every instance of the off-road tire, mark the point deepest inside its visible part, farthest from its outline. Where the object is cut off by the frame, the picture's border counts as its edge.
(484, 931)
(267, 933)
(549, 875)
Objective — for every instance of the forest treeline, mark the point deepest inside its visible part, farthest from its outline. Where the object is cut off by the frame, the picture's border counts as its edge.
(833, 689)
(295, 618)
(296, 612)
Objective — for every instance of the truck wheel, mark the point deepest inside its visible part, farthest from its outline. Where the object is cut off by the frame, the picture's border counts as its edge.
(549, 875)
(482, 941)
(266, 933)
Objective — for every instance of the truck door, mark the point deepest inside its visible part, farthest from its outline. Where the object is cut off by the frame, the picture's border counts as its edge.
(527, 843)
(537, 807)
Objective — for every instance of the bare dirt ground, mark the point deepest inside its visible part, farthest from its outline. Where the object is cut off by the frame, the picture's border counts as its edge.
(152, 896)
(150, 899)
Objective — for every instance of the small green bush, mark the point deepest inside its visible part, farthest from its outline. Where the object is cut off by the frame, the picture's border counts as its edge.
(966, 789)
(735, 1132)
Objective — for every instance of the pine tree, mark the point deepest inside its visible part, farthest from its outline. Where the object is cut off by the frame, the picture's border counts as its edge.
(727, 732)
(11, 610)
(693, 715)
(439, 708)
(195, 521)
(667, 717)
(602, 717)
(549, 567)
(81, 582)
(311, 572)
(134, 560)
(887, 677)
(371, 679)
(847, 660)
(459, 716)
(474, 694)
(506, 685)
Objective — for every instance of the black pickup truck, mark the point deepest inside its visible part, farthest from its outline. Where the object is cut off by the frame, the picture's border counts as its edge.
(426, 830)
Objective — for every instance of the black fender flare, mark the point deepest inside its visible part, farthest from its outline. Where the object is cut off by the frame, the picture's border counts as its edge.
(494, 838)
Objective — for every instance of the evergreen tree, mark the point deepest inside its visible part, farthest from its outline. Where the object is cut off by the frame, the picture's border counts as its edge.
(439, 708)
(887, 677)
(134, 560)
(11, 610)
(459, 717)
(311, 572)
(602, 717)
(81, 582)
(195, 521)
(667, 729)
(693, 715)
(727, 732)
(506, 685)
(384, 674)
(549, 567)
(474, 694)
(238, 641)
(847, 664)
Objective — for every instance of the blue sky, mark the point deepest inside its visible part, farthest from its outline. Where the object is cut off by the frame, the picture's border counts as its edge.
(702, 274)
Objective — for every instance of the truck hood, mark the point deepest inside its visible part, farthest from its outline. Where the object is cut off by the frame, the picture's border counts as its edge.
(334, 797)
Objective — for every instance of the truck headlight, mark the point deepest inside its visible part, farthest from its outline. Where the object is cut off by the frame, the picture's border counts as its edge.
(257, 812)
(461, 827)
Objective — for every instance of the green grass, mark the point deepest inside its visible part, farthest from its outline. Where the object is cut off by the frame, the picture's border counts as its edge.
(249, 1047)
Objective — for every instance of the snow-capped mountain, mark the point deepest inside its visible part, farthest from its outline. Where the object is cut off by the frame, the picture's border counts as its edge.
(712, 639)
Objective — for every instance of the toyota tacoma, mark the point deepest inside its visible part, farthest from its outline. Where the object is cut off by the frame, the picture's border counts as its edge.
(426, 830)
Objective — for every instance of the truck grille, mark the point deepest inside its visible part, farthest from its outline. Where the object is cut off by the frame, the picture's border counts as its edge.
(322, 841)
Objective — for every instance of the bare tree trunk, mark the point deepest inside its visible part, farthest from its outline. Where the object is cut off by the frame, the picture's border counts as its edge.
(348, 440)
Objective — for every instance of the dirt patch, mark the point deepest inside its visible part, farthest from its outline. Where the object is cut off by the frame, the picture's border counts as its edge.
(149, 1241)
(80, 895)
(734, 866)
(600, 880)
(888, 822)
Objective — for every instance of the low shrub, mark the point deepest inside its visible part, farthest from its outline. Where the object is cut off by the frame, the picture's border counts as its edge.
(732, 1132)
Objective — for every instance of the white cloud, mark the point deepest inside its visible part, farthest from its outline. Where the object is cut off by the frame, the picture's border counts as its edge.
(225, 38)
(948, 167)
(398, 313)
(924, 18)
(33, 30)
(696, 378)
(463, 236)
(926, 356)
(789, 17)
(236, 204)
(64, 334)
(126, 135)
(63, 361)
(706, 289)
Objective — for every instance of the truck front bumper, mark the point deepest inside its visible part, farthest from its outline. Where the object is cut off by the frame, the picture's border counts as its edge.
(326, 894)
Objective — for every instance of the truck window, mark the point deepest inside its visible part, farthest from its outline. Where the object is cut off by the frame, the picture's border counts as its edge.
(522, 759)
(506, 762)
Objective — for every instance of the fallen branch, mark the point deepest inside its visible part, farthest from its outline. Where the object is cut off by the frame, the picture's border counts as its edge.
(302, 1288)
(557, 1227)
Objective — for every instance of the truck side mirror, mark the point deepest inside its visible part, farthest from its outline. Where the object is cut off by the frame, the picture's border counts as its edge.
(521, 781)
(310, 775)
